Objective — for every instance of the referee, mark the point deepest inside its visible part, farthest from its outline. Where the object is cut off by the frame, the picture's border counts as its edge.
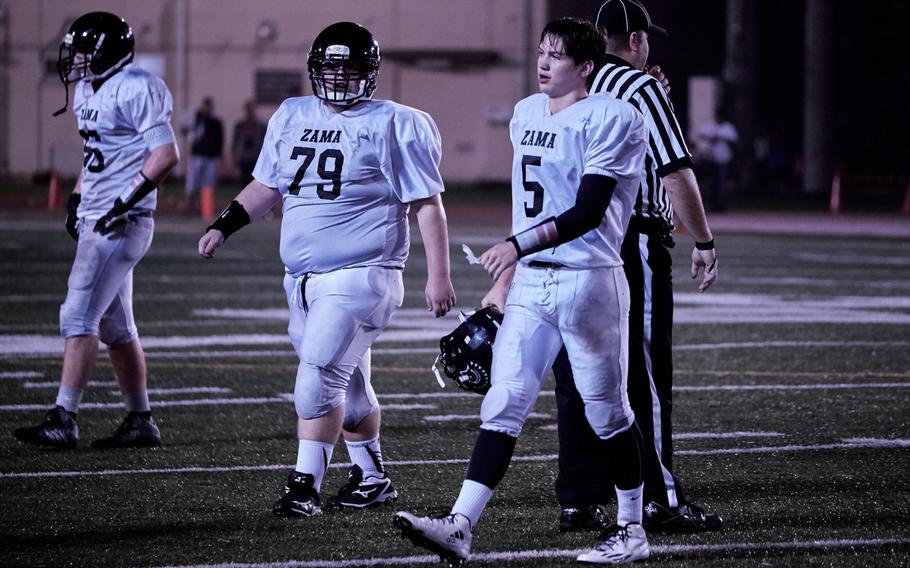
(668, 188)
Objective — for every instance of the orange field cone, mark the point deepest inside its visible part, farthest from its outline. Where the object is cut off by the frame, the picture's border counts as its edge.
(834, 206)
(53, 192)
(207, 202)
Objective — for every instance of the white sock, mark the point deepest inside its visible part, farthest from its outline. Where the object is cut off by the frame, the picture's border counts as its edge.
(69, 398)
(472, 500)
(367, 455)
(137, 401)
(628, 505)
(313, 457)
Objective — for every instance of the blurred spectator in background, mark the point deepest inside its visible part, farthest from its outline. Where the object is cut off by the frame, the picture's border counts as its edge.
(779, 165)
(717, 142)
(249, 133)
(207, 142)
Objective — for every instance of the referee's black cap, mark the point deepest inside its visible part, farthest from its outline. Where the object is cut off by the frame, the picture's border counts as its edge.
(626, 16)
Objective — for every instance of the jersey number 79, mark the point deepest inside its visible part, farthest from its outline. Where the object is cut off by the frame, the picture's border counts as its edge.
(333, 175)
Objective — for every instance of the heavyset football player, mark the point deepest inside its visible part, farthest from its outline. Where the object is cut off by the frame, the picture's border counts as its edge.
(347, 169)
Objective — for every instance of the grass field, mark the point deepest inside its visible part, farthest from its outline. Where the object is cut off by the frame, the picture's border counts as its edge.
(792, 414)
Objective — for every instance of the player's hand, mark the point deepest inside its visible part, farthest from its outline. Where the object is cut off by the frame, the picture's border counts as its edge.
(113, 218)
(72, 207)
(498, 258)
(209, 242)
(656, 72)
(706, 259)
(440, 296)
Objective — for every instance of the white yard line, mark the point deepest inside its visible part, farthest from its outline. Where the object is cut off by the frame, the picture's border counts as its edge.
(201, 402)
(846, 444)
(56, 384)
(821, 386)
(286, 397)
(471, 417)
(17, 349)
(524, 556)
(186, 390)
(21, 375)
(700, 435)
(787, 344)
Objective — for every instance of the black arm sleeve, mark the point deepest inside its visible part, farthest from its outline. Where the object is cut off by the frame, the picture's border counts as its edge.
(140, 186)
(594, 195)
(591, 202)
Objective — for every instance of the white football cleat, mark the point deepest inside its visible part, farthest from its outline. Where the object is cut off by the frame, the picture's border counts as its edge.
(622, 544)
(449, 536)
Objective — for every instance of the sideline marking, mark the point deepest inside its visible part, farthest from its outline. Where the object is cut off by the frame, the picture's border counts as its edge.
(846, 444)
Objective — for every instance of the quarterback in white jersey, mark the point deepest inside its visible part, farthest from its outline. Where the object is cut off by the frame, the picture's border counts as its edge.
(347, 170)
(553, 151)
(575, 176)
(123, 114)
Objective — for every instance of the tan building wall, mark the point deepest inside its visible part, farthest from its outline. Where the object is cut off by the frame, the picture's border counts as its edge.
(492, 43)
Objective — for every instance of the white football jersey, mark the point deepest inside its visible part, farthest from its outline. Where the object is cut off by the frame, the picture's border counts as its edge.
(596, 135)
(111, 122)
(346, 180)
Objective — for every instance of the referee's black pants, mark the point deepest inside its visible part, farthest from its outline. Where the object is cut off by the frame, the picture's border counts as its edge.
(583, 472)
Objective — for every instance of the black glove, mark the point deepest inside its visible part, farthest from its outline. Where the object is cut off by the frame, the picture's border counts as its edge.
(72, 206)
(113, 218)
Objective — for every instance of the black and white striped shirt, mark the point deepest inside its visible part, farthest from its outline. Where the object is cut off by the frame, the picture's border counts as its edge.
(667, 151)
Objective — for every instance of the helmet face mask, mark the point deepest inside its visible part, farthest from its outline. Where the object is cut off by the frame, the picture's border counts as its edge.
(344, 64)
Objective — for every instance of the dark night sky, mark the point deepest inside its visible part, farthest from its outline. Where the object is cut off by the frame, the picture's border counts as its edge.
(871, 78)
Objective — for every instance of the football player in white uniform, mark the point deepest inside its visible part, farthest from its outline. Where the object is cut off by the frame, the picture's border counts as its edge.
(123, 114)
(347, 169)
(575, 175)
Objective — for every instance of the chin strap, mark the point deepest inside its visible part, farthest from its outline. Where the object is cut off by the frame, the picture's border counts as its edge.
(66, 100)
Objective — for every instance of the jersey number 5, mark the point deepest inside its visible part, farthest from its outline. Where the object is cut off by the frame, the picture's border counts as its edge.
(333, 175)
(534, 187)
(93, 161)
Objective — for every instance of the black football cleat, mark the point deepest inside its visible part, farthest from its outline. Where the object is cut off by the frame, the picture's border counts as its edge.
(59, 431)
(300, 499)
(361, 493)
(589, 518)
(138, 430)
(686, 518)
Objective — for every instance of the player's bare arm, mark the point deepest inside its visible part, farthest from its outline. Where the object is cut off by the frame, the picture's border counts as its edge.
(160, 162)
(682, 188)
(431, 219)
(498, 294)
(157, 166)
(252, 202)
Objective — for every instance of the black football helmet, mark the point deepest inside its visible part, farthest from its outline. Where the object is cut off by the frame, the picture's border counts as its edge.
(466, 354)
(106, 43)
(344, 55)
